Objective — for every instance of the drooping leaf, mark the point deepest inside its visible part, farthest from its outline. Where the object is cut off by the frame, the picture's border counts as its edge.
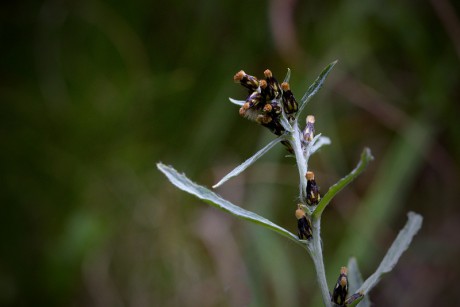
(314, 88)
(366, 157)
(399, 246)
(185, 184)
(240, 168)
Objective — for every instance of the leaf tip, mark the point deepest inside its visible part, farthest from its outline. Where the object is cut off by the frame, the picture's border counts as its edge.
(352, 261)
(367, 154)
(416, 218)
(288, 75)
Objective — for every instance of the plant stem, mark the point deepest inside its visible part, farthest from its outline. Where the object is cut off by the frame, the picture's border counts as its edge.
(317, 255)
(316, 250)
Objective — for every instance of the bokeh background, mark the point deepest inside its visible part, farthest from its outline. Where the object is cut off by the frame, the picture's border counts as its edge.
(94, 93)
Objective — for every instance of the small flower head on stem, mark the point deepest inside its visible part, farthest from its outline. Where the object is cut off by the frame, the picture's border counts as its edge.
(273, 89)
(309, 131)
(313, 196)
(289, 102)
(341, 288)
(248, 81)
(303, 224)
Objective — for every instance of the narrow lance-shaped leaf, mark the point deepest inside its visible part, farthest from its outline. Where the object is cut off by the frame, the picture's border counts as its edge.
(185, 184)
(366, 157)
(355, 281)
(239, 169)
(324, 140)
(314, 88)
(288, 76)
(398, 247)
(237, 102)
(319, 142)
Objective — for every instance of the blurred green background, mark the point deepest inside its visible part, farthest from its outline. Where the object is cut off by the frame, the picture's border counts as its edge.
(94, 93)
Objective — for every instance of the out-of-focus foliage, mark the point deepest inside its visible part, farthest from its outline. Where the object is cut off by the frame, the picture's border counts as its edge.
(93, 93)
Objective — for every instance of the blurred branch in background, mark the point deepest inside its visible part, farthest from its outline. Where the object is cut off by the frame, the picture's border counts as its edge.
(283, 29)
(395, 119)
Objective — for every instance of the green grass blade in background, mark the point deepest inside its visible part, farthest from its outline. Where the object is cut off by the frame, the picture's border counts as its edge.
(366, 157)
(315, 87)
(185, 184)
(239, 169)
(398, 247)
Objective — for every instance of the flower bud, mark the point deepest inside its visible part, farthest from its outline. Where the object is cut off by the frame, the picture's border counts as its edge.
(341, 288)
(254, 99)
(289, 103)
(309, 131)
(272, 90)
(248, 81)
(264, 119)
(303, 224)
(268, 108)
(313, 196)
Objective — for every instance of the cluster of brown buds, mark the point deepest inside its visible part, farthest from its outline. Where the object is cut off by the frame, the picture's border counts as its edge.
(265, 104)
(266, 100)
(341, 288)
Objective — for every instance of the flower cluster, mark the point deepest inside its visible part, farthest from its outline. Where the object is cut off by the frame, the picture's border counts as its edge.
(266, 100)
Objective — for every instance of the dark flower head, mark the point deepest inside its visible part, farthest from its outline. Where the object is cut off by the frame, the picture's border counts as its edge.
(248, 81)
(289, 103)
(313, 196)
(341, 288)
(303, 224)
